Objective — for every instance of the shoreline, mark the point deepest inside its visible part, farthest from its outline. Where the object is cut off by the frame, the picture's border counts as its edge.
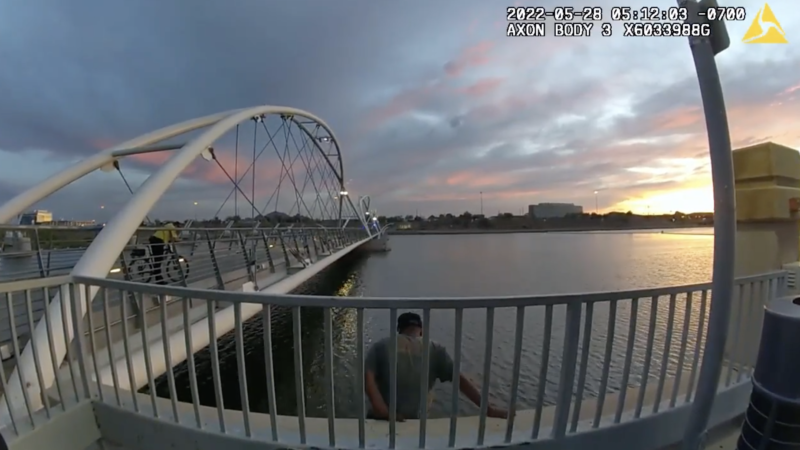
(393, 232)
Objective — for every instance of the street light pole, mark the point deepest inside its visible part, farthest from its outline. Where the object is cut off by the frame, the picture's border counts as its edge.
(595, 202)
(481, 202)
(704, 50)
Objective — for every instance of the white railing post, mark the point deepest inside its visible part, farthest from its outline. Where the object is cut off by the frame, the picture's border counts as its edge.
(567, 378)
(62, 324)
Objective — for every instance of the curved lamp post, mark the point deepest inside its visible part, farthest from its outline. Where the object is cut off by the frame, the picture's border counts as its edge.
(704, 50)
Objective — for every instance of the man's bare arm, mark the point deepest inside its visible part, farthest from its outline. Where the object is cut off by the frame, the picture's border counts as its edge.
(468, 388)
(379, 407)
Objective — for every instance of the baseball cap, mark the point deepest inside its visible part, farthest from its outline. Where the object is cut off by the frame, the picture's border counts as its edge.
(408, 319)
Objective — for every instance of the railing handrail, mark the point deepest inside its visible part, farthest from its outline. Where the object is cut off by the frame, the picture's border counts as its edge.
(34, 283)
(311, 224)
(156, 228)
(562, 420)
(406, 302)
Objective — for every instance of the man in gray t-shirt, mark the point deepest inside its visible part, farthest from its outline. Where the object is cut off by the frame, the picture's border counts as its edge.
(409, 368)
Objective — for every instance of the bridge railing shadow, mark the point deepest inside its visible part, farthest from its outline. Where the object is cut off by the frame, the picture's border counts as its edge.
(615, 367)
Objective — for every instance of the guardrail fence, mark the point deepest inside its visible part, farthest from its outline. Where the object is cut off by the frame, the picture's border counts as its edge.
(203, 258)
(560, 364)
(198, 255)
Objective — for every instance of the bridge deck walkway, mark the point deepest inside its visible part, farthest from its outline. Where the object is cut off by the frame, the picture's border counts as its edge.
(222, 265)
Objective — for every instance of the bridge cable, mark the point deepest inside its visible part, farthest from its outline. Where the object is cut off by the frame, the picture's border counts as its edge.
(302, 192)
(240, 179)
(328, 203)
(283, 164)
(236, 176)
(296, 204)
(256, 120)
(280, 182)
(283, 174)
(125, 180)
(322, 168)
(214, 157)
(312, 162)
(309, 175)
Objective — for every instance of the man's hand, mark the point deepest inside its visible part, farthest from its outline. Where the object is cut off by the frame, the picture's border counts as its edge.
(496, 413)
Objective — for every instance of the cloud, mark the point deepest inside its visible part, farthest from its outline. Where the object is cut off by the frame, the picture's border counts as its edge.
(431, 103)
(473, 56)
(483, 86)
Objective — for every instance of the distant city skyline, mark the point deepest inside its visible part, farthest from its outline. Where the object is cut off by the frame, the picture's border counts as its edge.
(431, 103)
(108, 214)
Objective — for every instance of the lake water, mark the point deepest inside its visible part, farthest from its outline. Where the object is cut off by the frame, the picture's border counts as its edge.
(477, 265)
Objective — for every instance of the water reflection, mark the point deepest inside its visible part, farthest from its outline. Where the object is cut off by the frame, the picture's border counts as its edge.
(485, 265)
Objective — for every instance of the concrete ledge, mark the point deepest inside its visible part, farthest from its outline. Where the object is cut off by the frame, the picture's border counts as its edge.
(732, 402)
(73, 429)
(144, 431)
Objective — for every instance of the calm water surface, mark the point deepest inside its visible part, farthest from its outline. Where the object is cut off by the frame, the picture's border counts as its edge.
(478, 265)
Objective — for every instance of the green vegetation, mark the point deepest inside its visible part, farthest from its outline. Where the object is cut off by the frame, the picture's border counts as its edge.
(468, 222)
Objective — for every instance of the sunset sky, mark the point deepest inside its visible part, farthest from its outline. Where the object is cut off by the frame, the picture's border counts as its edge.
(431, 103)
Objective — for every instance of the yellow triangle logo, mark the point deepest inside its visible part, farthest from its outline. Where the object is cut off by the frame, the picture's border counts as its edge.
(765, 29)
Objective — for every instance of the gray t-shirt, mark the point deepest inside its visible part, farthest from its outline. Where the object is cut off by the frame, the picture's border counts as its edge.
(409, 369)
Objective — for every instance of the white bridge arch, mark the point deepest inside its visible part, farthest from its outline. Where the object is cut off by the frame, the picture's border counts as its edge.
(102, 253)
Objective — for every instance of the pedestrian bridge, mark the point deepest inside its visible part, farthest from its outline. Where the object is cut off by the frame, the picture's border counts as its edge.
(284, 244)
(228, 259)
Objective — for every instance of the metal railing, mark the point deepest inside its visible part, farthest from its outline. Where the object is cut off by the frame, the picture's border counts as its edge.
(209, 258)
(582, 366)
(54, 251)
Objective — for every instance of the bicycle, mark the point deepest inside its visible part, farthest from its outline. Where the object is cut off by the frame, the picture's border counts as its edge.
(174, 267)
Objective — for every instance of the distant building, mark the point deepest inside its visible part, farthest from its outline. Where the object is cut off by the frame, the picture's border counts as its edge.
(36, 217)
(553, 210)
(42, 217)
(74, 223)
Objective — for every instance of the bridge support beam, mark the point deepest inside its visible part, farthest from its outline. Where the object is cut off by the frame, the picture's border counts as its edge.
(767, 183)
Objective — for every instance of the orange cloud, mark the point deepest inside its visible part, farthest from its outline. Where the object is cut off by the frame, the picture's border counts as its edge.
(474, 56)
(671, 152)
(477, 179)
(504, 107)
(749, 124)
(766, 121)
(679, 120)
(267, 169)
(792, 89)
(411, 99)
(152, 159)
(102, 143)
(402, 103)
(692, 197)
(482, 87)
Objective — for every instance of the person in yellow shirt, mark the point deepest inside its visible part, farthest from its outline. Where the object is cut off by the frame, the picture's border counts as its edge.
(158, 247)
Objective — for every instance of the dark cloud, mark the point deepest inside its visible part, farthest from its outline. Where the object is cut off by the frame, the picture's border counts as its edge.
(418, 93)
(8, 190)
